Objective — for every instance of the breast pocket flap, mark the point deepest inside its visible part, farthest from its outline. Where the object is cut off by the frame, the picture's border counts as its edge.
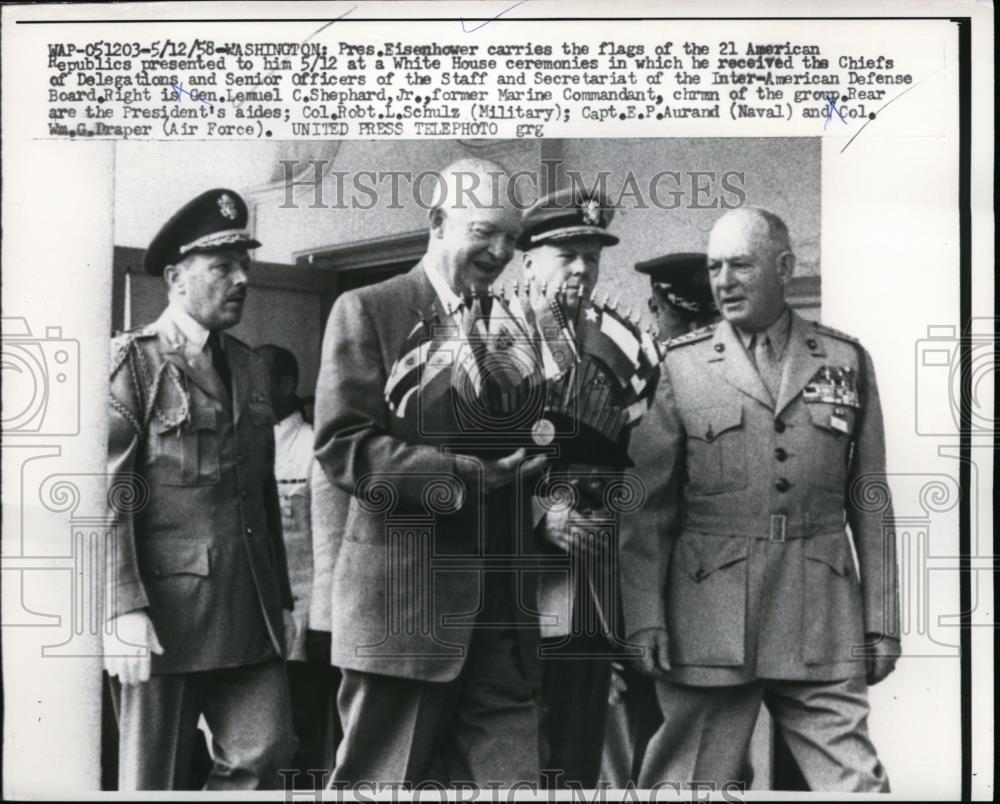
(708, 423)
(836, 419)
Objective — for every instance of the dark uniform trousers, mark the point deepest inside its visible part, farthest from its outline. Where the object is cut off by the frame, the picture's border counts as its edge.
(630, 724)
(576, 679)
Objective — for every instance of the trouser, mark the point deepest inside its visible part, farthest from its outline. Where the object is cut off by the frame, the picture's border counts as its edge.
(247, 710)
(481, 727)
(631, 723)
(314, 717)
(706, 731)
(576, 678)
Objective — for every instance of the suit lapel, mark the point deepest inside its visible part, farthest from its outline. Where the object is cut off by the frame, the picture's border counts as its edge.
(731, 361)
(804, 356)
(425, 303)
(206, 379)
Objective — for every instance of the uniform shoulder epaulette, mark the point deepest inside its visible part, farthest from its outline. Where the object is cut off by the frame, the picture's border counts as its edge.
(836, 333)
(691, 337)
(124, 341)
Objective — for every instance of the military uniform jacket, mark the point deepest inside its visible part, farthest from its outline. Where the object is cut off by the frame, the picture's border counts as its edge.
(199, 544)
(745, 549)
(407, 584)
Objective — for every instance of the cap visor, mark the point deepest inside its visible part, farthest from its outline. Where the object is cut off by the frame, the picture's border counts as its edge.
(571, 232)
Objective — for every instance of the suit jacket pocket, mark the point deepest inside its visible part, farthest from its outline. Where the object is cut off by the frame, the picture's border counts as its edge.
(162, 558)
(186, 451)
(832, 623)
(716, 448)
(706, 599)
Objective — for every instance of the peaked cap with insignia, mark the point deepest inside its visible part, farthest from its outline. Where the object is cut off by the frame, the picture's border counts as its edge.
(566, 214)
(682, 279)
(214, 220)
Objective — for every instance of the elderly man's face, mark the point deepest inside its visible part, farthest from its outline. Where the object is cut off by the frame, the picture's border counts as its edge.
(747, 271)
(477, 241)
(212, 287)
(571, 265)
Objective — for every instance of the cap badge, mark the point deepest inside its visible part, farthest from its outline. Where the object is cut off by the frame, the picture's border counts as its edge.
(591, 211)
(227, 206)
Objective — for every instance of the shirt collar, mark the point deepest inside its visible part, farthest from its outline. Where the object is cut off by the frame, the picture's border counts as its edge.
(450, 301)
(193, 332)
(777, 332)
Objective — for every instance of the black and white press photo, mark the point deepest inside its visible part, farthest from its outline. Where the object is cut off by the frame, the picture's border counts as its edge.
(496, 401)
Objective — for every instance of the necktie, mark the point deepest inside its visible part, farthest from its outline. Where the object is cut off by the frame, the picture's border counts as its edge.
(475, 326)
(219, 361)
(477, 314)
(767, 364)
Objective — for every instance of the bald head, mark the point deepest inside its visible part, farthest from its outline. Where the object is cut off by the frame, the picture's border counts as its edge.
(750, 260)
(473, 224)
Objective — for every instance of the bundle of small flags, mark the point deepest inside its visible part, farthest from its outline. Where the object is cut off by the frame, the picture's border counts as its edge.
(532, 365)
(471, 373)
(601, 370)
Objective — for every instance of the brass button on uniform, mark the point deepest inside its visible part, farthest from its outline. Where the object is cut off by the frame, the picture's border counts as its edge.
(249, 531)
(779, 426)
(780, 454)
(782, 484)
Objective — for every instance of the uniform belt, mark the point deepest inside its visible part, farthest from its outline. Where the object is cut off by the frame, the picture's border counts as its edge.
(769, 527)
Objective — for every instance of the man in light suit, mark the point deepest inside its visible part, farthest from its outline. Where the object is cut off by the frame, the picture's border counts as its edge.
(440, 676)
(760, 455)
(198, 581)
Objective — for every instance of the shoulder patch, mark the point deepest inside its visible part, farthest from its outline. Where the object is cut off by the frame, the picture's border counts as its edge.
(691, 337)
(836, 333)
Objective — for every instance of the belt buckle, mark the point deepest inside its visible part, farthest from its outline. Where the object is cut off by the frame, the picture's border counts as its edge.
(778, 522)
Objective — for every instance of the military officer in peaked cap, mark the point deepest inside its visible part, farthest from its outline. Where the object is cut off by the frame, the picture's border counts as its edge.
(755, 573)
(681, 297)
(198, 580)
(563, 236)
